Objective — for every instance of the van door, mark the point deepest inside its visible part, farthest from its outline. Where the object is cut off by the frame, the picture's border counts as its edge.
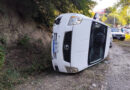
(97, 42)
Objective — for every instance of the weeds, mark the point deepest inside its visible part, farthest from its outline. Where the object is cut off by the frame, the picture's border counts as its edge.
(9, 76)
(8, 79)
(25, 41)
(2, 56)
(40, 61)
(3, 41)
(43, 62)
(31, 59)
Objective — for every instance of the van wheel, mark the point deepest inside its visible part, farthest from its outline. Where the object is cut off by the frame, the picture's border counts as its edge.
(122, 39)
(110, 45)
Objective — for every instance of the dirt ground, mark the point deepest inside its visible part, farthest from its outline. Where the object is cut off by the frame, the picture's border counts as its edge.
(111, 74)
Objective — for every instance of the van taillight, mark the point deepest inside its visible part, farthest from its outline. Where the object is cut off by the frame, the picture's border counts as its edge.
(67, 46)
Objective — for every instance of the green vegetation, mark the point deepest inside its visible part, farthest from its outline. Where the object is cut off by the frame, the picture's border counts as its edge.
(50, 9)
(3, 41)
(24, 41)
(17, 71)
(45, 11)
(127, 37)
(120, 12)
(2, 56)
(40, 63)
(9, 78)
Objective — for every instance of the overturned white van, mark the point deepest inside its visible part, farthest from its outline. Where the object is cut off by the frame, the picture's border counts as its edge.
(78, 42)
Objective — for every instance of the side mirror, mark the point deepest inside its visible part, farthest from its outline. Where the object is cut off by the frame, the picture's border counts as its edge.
(96, 16)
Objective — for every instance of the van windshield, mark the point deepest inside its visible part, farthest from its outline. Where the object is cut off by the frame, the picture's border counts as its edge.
(114, 30)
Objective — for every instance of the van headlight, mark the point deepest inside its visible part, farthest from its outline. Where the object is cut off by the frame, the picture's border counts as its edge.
(75, 20)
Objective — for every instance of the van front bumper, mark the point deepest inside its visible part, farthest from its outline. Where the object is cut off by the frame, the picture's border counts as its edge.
(119, 38)
(72, 69)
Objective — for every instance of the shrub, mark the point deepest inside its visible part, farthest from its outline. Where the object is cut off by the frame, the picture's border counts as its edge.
(2, 56)
(24, 41)
(3, 41)
(43, 62)
(8, 79)
(40, 61)
(127, 37)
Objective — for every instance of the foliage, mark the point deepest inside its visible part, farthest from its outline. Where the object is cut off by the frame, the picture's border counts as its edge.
(103, 18)
(45, 11)
(3, 41)
(84, 6)
(110, 10)
(123, 3)
(8, 79)
(2, 56)
(127, 37)
(40, 62)
(24, 41)
(50, 9)
(120, 12)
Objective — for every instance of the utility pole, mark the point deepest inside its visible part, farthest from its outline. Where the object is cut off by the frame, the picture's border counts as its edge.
(114, 20)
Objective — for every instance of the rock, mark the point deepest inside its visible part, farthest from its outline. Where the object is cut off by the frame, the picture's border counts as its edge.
(32, 83)
(106, 62)
(94, 85)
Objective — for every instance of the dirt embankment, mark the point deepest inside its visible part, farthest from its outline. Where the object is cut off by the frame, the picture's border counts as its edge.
(24, 40)
(26, 45)
(111, 74)
(13, 27)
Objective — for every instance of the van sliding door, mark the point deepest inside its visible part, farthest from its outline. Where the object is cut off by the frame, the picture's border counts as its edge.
(97, 42)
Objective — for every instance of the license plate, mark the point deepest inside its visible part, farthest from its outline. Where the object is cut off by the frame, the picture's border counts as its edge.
(55, 44)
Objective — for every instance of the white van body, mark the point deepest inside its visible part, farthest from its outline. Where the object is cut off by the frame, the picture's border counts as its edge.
(73, 47)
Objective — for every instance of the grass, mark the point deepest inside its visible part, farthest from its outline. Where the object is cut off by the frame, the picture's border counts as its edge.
(39, 62)
(2, 56)
(24, 41)
(9, 78)
(34, 58)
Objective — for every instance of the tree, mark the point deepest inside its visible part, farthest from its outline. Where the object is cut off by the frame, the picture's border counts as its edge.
(119, 13)
(124, 9)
